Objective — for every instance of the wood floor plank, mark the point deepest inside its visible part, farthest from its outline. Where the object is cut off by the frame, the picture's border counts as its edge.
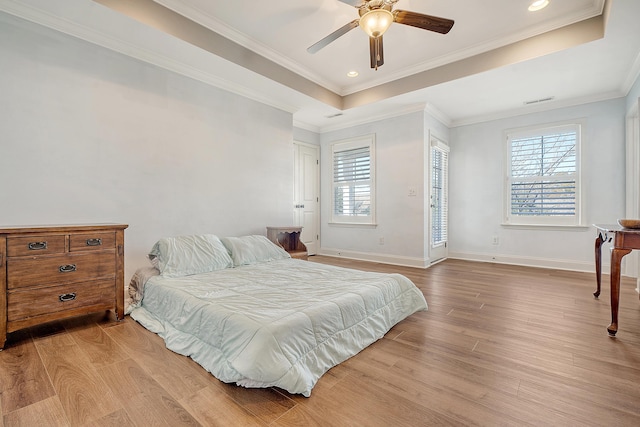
(119, 418)
(98, 347)
(267, 403)
(23, 377)
(445, 371)
(360, 401)
(211, 407)
(78, 386)
(441, 390)
(47, 412)
(147, 401)
(178, 374)
(587, 407)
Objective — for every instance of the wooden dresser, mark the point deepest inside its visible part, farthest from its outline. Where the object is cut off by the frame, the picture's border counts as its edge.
(52, 272)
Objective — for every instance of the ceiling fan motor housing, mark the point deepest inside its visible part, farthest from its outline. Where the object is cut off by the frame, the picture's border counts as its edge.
(376, 4)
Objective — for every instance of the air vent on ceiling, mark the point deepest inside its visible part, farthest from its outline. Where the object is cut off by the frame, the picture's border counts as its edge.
(537, 101)
(331, 116)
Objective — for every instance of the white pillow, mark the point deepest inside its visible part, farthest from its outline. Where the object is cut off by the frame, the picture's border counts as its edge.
(186, 255)
(248, 250)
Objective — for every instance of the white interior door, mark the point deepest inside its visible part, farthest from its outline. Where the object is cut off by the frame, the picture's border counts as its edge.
(306, 197)
(439, 201)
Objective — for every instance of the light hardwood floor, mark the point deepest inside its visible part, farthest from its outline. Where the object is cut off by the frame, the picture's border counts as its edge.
(499, 345)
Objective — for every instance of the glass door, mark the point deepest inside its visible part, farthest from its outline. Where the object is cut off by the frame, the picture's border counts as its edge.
(439, 199)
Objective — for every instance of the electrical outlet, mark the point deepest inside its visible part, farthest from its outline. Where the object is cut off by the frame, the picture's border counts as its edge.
(413, 192)
(382, 240)
(494, 240)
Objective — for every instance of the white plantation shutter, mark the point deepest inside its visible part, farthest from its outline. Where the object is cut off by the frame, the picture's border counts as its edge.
(543, 179)
(439, 194)
(353, 183)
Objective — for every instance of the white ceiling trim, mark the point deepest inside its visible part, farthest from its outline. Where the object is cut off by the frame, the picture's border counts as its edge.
(217, 26)
(537, 108)
(427, 108)
(393, 112)
(481, 48)
(214, 24)
(305, 126)
(438, 115)
(633, 75)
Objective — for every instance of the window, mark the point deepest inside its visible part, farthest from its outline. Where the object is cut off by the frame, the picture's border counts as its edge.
(439, 193)
(353, 181)
(543, 185)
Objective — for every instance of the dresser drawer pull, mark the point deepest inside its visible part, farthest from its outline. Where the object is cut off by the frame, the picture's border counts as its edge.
(67, 268)
(94, 242)
(37, 246)
(67, 297)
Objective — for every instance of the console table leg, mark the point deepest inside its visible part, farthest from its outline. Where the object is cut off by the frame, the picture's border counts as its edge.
(616, 259)
(599, 241)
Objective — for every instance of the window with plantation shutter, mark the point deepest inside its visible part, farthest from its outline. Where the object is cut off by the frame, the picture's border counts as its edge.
(543, 184)
(353, 181)
(439, 195)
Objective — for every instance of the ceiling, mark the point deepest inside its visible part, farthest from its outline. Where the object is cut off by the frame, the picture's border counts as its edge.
(497, 57)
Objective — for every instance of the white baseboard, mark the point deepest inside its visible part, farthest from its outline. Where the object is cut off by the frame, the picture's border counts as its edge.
(373, 257)
(558, 264)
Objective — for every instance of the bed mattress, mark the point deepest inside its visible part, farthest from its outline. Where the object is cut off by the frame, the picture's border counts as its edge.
(282, 323)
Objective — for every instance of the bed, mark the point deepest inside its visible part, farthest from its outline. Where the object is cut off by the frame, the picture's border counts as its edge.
(249, 314)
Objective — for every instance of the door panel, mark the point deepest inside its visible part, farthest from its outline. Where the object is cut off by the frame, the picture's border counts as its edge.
(306, 194)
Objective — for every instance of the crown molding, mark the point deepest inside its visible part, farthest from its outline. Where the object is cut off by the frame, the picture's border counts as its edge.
(214, 24)
(539, 108)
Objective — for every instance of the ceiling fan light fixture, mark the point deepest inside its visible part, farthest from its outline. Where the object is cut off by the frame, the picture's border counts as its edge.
(538, 5)
(376, 22)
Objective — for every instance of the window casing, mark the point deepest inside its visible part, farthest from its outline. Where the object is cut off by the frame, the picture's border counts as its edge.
(543, 176)
(353, 178)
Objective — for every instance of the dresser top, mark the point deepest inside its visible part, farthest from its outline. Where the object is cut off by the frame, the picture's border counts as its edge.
(59, 228)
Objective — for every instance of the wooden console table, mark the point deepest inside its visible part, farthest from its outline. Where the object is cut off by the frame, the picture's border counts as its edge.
(289, 239)
(624, 241)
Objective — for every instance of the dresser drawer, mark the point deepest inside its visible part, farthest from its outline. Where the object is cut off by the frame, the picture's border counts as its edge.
(92, 241)
(36, 302)
(35, 245)
(54, 270)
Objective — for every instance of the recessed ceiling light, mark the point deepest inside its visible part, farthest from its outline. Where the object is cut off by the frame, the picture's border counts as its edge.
(537, 5)
(352, 74)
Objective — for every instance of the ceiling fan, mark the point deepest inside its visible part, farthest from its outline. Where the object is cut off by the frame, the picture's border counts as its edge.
(375, 18)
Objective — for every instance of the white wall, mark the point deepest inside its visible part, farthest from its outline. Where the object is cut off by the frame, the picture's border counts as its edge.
(89, 135)
(306, 136)
(400, 164)
(476, 185)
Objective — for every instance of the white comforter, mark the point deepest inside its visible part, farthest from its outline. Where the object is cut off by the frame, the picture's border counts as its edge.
(281, 323)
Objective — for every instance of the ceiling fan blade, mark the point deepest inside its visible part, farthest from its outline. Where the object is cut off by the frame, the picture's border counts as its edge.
(426, 22)
(354, 3)
(376, 52)
(333, 36)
